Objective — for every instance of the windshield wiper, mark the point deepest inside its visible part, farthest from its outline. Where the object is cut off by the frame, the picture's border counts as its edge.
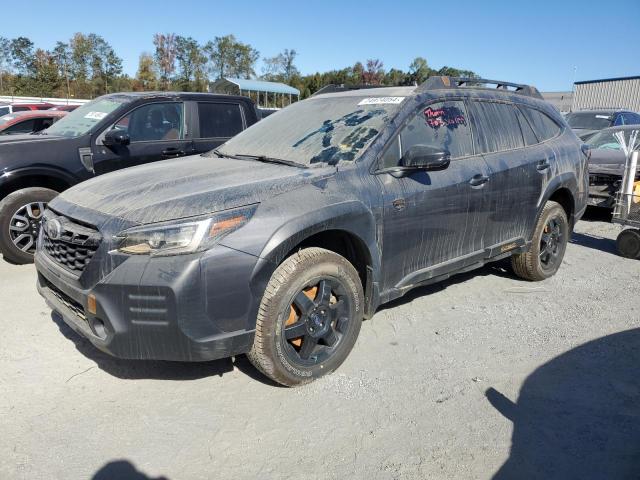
(261, 158)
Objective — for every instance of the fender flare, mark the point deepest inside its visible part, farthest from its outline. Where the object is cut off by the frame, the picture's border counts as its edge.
(9, 176)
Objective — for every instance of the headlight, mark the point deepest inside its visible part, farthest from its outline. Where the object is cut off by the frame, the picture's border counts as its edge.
(184, 236)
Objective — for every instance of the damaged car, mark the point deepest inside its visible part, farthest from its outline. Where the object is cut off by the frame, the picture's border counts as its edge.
(112, 132)
(278, 243)
(606, 165)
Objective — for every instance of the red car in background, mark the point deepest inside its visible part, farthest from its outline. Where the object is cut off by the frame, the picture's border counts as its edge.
(24, 107)
(28, 121)
(64, 108)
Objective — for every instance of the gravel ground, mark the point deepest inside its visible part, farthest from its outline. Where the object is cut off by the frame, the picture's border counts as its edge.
(427, 392)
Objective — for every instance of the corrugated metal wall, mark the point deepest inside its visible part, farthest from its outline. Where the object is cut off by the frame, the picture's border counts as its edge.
(608, 94)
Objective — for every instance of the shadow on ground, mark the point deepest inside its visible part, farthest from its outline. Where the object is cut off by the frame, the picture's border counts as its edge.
(122, 470)
(155, 369)
(578, 416)
(601, 244)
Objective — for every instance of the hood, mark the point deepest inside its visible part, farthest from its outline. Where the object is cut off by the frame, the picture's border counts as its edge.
(187, 186)
(584, 133)
(26, 137)
(607, 162)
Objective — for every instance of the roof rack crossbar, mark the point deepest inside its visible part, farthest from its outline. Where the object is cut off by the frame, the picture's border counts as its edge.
(445, 82)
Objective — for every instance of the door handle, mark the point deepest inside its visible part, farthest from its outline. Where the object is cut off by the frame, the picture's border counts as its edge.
(478, 180)
(172, 152)
(543, 165)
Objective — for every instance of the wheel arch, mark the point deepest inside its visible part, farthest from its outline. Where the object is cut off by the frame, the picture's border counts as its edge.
(561, 190)
(12, 181)
(347, 229)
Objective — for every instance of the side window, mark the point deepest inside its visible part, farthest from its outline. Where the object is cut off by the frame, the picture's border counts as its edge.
(17, 108)
(631, 118)
(544, 126)
(442, 125)
(22, 127)
(154, 122)
(620, 120)
(527, 132)
(496, 127)
(219, 120)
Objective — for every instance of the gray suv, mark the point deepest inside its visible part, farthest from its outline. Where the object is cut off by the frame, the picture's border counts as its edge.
(278, 243)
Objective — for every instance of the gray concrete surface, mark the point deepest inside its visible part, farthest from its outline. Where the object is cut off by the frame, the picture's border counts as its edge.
(427, 392)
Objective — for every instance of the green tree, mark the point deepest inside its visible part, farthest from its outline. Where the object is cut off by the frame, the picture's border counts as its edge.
(419, 70)
(5, 59)
(191, 64)
(146, 75)
(165, 56)
(281, 67)
(230, 57)
(22, 55)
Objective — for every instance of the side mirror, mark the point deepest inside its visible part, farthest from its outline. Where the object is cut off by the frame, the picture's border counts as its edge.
(424, 157)
(116, 137)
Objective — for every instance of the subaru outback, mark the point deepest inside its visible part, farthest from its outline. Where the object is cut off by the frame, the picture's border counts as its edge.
(278, 243)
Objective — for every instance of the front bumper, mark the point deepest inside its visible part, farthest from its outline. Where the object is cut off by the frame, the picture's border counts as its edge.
(194, 307)
(603, 190)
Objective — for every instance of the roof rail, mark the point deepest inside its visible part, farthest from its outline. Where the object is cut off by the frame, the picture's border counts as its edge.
(442, 82)
(333, 88)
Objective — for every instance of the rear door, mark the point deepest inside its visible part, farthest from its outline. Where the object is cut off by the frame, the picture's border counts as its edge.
(520, 165)
(157, 131)
(215, 123)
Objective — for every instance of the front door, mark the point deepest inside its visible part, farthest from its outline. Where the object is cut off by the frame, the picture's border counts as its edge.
(433, 221)
(156, 132)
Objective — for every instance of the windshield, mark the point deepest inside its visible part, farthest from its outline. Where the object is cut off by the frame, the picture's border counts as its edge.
(317, 130)
(82, 119)
(4, 109)
(589, 121)
(607, 140)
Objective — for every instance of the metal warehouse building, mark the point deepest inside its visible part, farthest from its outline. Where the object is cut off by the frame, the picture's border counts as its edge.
(621, 92)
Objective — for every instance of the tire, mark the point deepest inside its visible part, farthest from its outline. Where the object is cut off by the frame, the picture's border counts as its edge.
(315, 293)
(549, 243)
(628, 243)
(18, 246)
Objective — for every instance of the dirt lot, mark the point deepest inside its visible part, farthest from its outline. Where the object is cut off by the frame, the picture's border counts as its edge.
(428, 391)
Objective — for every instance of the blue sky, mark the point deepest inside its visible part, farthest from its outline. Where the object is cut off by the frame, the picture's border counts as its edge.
(538, 44)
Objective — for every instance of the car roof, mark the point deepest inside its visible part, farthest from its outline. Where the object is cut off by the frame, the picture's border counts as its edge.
(176, 95)
(596, 111)
(621, 127)
(37, 114)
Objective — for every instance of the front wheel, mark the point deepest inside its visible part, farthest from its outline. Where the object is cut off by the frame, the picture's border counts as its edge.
(309, 317)
(544, 257)
(20, 217)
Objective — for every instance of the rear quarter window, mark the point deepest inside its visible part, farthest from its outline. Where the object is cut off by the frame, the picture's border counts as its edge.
(541, 123)
(219, 120)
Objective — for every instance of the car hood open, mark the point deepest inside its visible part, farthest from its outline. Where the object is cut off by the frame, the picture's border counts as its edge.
(187, 186)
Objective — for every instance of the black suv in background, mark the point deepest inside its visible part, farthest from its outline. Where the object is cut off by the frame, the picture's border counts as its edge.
(112, 132)
(586, 123)
(278, 243)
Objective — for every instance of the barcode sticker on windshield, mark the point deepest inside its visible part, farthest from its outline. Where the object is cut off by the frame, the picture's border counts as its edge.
(381, 100)
(96, 115)
(603, 116)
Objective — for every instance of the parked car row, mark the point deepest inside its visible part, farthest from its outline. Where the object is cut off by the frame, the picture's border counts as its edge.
(282, 237)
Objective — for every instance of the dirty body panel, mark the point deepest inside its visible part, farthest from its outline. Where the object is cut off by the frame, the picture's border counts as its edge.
(334, 176)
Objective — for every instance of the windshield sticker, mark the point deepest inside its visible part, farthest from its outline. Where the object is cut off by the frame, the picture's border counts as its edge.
(607, 117)
(449, 117)
(381, 100)
(96, 115)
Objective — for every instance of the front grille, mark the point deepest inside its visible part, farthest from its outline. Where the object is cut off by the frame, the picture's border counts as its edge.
(69, 244)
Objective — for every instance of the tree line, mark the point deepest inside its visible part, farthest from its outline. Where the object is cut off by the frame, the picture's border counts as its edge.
(87, 66)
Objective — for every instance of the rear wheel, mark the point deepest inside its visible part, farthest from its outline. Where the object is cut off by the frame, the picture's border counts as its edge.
(544, 257)
(309, 317)
(20, 217)
(628, 243)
